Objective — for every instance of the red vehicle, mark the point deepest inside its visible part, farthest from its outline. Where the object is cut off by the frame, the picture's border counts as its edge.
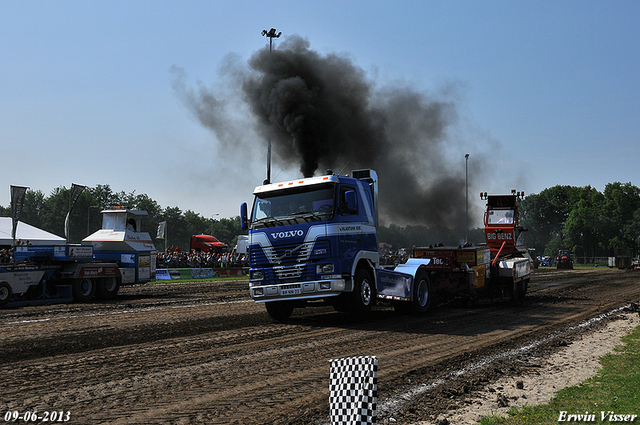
(208, 243)
(504, 235)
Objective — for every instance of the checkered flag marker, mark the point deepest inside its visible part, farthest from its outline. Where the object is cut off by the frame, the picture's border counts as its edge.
(353, 392)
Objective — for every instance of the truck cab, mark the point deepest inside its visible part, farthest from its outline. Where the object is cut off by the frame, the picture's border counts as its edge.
(511, 262)
(503, 232)
(310, 238)
(122, 240)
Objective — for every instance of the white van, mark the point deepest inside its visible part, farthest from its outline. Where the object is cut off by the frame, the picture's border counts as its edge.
(242, 245)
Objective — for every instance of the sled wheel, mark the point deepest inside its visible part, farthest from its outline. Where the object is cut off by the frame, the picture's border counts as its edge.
(108, 288)
(519, 289)
(6, 293)
(84, 290)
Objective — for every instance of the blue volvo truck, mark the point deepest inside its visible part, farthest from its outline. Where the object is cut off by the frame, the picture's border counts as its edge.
(313, 241)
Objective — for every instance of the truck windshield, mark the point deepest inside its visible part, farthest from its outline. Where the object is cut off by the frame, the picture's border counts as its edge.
(308, 203)
(500, 217)
(115, 221)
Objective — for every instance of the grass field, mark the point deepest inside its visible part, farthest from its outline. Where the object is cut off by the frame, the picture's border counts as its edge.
(612, 396)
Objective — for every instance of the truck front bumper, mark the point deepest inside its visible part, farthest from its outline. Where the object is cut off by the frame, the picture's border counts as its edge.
(297, 290)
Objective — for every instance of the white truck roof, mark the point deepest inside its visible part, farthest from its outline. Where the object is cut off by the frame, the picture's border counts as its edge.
(308, 181)
(124, 211)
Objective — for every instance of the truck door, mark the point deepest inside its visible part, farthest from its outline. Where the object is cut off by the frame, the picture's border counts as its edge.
(356, 230)
(348, 230)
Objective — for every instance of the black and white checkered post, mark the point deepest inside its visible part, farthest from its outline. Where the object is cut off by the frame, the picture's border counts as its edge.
(353, 392)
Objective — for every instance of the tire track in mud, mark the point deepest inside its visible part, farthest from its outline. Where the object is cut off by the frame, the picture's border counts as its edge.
(230, 364)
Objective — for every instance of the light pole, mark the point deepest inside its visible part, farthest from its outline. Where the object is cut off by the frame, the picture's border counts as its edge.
(466, 187)
(212, 219)
(271, 34)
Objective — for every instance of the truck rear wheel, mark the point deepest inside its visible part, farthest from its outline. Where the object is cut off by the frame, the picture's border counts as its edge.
(108, 288)
(279, 310)
(421, 301)
(6, 293)
(84, 289)
(364, 296)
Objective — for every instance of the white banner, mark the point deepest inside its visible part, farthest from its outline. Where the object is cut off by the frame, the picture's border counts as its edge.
(204, 273)
(161, 230)
(163, 274)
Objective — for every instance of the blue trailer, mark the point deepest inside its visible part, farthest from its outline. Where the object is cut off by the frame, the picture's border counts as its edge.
(118, 254)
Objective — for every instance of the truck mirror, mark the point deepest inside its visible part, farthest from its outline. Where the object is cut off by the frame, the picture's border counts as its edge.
(350, 199)
(243, 216)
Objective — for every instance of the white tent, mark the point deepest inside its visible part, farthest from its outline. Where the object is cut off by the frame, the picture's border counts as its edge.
(26, 232)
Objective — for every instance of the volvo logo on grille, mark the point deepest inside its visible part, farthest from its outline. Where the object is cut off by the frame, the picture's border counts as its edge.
(289, 234)
(289, 252)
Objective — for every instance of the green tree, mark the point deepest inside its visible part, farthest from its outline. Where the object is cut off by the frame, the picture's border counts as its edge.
(555, 244)
(227, 230)
(176, 231)
(33, 207)
(631, 231)
(150, 222)
(55, 210)
(545, 214)
(104, 196)
(621, 201)
(196, 224)
(585, 225)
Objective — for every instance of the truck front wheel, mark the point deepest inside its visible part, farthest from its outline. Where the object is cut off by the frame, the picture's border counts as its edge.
(84, 289)
(364, 296)
(279, 310)
(6, 293)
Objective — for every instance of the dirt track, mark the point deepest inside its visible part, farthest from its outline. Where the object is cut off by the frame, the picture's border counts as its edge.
(204, 353)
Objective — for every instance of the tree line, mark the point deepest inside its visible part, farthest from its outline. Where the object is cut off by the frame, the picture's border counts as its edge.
(590, 222)
(583, 219)
(49, 212)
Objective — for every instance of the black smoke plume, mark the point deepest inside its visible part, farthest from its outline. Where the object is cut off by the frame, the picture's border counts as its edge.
(322, 111)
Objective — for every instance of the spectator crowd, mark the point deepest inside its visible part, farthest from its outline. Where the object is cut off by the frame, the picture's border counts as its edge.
(175, 259)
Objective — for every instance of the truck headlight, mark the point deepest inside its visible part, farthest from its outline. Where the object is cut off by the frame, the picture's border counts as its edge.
(256, 275)
(324, 268)
(325, 286)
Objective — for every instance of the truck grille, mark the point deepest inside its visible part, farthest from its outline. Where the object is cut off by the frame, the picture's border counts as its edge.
(289, 272)
(290, 253)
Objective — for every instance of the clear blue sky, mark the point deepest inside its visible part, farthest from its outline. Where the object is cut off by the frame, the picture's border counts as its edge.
(548, 91)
